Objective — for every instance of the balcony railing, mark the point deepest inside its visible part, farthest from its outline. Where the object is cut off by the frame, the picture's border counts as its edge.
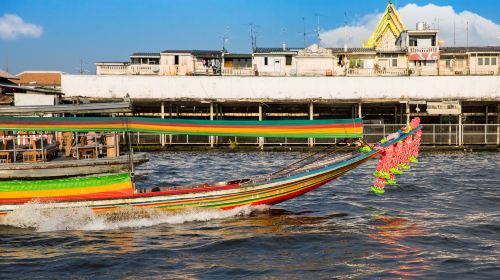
(374, 72)
(134, 69)
(112, 69)
(237, 71)
(414, 49)
(144, 69)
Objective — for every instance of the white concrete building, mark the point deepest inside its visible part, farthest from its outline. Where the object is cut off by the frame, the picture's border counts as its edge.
(275, 61)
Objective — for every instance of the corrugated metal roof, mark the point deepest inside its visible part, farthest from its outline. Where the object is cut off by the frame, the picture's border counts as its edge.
(210, 53)
(7, 75)
(470, 49)
(276, 50)
(237, 55)
(146, 54)
(115, 107)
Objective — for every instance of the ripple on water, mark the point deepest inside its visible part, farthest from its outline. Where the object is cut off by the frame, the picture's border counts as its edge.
(440, 221)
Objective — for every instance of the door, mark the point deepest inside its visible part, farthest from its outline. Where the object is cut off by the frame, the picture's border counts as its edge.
(277, 66)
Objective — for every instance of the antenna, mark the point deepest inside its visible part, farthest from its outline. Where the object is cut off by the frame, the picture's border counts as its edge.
(467, 34)
(283, 36)
(304, 33)
(253, 36)
(225, 39)
(82, 70)
(345, 31)
(318, 30)
(454, 34)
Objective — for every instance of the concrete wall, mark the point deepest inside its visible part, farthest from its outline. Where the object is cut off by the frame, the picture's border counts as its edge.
(282, 88)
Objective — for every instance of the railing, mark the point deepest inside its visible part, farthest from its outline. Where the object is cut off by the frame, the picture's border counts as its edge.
(112, 69)
(413, 49)
(374, 72)
(361, 72)
(144, 69)
(433, 135)
(237, 71)
(134, 69)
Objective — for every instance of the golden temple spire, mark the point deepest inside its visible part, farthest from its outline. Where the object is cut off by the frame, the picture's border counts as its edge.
(390, 22)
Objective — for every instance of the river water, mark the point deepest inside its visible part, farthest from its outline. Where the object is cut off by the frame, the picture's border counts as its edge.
(442, 221)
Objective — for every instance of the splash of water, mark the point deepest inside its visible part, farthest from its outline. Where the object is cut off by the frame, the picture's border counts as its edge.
(44, 218)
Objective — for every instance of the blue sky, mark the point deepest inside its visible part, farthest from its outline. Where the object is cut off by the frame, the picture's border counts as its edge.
(110, 30)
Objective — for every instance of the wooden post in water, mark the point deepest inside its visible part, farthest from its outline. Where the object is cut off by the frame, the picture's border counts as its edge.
(498, 124)
(311, 117)
(162, 136)
(211, 138)
(261, 139)
(460, 130)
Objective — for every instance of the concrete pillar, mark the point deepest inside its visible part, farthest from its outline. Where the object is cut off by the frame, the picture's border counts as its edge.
(211, 138)
(407, 112)
(395, 114)
(498, 124)
(162, 112)
(486, 121)
(460, 130)
(486, 113)
(311, 117)
(261, 139)
(360, 115)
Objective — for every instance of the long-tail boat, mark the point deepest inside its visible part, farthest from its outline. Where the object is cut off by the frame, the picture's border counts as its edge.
(109, 192)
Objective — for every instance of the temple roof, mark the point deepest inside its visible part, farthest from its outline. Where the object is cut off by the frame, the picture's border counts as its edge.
(390, 22)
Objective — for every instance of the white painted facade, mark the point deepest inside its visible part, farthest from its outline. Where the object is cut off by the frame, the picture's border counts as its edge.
(275, 64)
(282, 88)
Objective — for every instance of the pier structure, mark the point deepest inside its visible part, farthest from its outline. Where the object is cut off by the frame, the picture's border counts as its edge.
(456, 111)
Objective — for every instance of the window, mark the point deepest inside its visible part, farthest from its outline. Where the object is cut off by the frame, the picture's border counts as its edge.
(493, 61)
(288, 59)
(486, 61)
(266, 61)
(480, 61)
(395, 62)
(176, 60)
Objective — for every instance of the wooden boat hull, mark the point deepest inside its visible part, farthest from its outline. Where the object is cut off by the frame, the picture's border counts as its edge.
(267, 192)
(113, 195)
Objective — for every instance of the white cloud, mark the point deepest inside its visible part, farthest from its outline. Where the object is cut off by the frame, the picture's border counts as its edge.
(482, 31)
(12, 27)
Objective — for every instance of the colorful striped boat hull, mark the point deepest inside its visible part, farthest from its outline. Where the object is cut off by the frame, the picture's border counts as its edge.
(223, 197)
(226, 196)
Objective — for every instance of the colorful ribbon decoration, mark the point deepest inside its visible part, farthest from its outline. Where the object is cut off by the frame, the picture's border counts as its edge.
(396, 157)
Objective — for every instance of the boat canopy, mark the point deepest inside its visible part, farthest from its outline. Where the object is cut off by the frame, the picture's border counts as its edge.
(327, 128)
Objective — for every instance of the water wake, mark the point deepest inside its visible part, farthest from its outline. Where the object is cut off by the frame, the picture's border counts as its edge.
(43, 218)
